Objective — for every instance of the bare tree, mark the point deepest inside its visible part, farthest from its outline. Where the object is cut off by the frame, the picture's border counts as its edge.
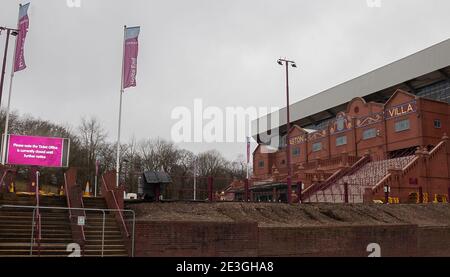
(211, 163)
(92, 137)
(158, 155)
(238, 168)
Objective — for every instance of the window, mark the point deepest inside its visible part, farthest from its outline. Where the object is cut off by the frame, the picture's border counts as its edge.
(296, 151)
(283, 142)
(317, 147)
(402, 125)
(437, 91)
(369, 133)
(261, 164)
(437, 124)
(341, 141)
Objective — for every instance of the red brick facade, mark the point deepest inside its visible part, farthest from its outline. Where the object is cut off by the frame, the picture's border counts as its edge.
(381, 131)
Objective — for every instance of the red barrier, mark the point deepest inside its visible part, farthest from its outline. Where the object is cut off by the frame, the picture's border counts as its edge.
(246, 191)
(210, 189)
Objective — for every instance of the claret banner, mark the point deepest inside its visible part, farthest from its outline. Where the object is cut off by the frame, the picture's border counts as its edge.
(130, 56)
(37, 151)
(19, 63)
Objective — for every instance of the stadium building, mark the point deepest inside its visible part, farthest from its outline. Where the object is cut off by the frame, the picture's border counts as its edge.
(381, 136)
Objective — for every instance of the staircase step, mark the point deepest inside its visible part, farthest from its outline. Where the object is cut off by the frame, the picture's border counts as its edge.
(93, 232)
(27, 246)
(107, 242)
(15, 228)
(106, 255)
(97, 253)
(44, 226)
(43, 240)
(106, 247)
(107, 237)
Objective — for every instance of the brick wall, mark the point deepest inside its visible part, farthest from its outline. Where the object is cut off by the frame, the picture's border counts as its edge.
(434, 241)
(395, 240)
(174, 239)
(197, 239)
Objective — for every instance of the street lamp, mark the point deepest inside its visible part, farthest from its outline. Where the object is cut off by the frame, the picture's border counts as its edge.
(13, 32)
(288, 63)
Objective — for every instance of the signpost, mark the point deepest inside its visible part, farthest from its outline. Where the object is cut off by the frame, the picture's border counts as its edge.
(81, 221)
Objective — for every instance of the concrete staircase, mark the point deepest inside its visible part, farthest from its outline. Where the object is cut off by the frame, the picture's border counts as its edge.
(16, 228)
(114, 245)
(366, 177)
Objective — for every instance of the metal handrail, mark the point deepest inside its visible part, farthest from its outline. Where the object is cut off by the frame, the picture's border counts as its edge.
(335, 177)
(70, 206)
(38, 214)
(84, 213)
(67, 195)
(85, 209)
(2, 181)
(117, 205)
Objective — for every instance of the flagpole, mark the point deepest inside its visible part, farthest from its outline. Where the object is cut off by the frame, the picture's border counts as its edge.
(120, 112)
(5, 134)
(248, 156)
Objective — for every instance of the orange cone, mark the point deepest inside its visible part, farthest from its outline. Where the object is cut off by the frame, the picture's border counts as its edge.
(87, 191)
(11, 188)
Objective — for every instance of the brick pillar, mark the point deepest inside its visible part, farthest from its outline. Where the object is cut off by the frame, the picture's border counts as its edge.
(210, 189)
(32, 178)
(368, 196)
(420, 195)
(386, 194)
(422, 171)
(346, 192)
(448, 195)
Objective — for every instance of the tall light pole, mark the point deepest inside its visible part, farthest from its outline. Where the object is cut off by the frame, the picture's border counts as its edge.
(9, 32)
(288, 63)
(195, 179)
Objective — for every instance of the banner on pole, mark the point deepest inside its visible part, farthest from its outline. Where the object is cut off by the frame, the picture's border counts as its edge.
(130, 56)
(19, 63)
(37, 151)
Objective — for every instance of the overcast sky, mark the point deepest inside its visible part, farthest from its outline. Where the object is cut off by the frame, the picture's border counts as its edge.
(221, 51)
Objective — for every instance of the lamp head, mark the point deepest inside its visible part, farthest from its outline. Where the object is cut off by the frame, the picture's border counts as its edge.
(294, 65)
(280, 62)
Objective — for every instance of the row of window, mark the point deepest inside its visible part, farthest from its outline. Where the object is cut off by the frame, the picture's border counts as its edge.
(400, 126)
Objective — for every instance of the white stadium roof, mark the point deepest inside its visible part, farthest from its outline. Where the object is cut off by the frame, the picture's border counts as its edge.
(424, 67)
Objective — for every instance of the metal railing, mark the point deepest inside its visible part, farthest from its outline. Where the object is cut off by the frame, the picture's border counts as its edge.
(69, 205)
(84, 214)
(103, 211)
(2, 181)
(117, 205)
